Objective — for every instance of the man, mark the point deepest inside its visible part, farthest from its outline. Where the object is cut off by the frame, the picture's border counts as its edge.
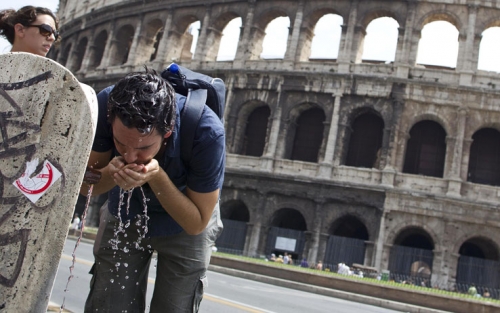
(166, 206)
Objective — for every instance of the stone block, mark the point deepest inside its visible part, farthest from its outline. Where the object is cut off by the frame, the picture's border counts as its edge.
(47, 125)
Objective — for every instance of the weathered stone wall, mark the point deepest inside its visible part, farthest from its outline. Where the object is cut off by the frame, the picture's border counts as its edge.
(462, 100)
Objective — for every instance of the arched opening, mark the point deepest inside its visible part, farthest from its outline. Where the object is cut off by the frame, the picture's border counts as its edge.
(327, 34)
(346, 243)
(97, 49)
(121, 47)
(381, 40)
(286, 233)
(411, 257)
(484, 159)
(438, 45)
(308, 135)
(256, 131)
(275, 42)
(426, 150)
(488, 50)
(479, 264)
(235, 217)
(147, 48)
(365, 141)
(229, 41)
(79, 54)
(65, 54)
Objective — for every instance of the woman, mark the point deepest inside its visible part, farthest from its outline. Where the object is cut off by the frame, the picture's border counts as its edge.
(30, 29)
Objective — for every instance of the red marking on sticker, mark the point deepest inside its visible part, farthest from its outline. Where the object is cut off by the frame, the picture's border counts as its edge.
(49, 177)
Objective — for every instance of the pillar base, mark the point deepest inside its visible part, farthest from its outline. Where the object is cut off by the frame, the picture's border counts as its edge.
(454, 187)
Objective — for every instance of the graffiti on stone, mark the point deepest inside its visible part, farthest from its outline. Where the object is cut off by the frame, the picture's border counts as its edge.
(14, 131)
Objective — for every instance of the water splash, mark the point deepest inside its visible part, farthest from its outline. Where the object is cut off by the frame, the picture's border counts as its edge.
(84, 216)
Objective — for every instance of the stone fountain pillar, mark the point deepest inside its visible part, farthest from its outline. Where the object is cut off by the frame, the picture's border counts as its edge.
(47, 125)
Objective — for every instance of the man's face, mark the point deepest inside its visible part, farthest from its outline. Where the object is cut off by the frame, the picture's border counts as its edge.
(134, 146)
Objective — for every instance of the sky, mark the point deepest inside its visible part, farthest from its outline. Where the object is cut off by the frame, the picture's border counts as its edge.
(16, 5)
(438, 44)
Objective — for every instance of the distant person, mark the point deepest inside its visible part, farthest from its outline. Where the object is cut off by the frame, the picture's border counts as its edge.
(279, 259)
(319, 266)
(486, 294)
(29, 29)
(76, 222)
(304, 263)
(273, 257)
(472, 290)
(286, 259)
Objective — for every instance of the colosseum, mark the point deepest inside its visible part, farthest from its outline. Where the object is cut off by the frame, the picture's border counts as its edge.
(390, 165)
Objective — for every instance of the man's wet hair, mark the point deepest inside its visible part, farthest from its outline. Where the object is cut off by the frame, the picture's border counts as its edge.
(143, 100)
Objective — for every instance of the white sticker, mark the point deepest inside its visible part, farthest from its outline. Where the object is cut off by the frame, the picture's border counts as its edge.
(35, 187)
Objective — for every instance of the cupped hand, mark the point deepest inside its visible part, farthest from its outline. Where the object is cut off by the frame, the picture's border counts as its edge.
(134, 175)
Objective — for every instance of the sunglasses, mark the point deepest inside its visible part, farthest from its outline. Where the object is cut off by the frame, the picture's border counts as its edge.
(46, 30)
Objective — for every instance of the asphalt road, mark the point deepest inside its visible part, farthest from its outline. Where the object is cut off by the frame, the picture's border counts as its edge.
(225, 293)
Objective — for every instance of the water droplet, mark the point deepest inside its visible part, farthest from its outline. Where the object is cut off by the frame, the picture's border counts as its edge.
(123, 287)
(125, 264)
(112, 280)
(126, 277)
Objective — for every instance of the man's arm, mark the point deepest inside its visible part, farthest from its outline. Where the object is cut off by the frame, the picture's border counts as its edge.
(192, 211)
(99, 161)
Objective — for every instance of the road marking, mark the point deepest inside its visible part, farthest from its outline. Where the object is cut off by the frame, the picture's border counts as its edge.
(209, 297)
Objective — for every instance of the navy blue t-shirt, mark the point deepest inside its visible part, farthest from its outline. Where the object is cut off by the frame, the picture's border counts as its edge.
(205, 172)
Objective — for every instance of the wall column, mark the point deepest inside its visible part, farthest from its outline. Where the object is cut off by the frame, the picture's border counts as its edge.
(454, 181)
(135, 42)
(345, 52)
(291, 53)
(312, 254)
(163, 47)
(402, 60)
(107, 50)
(244, 43)
(199, 53)
(466, 52)
(325, 169)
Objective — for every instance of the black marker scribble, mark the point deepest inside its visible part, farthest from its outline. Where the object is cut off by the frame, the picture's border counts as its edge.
(20, 236)
(27, 83)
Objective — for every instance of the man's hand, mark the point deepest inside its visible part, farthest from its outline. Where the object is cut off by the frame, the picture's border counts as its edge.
(129, 176)
(91, 176)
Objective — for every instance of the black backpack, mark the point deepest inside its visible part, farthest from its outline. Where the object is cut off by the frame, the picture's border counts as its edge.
(199, 90)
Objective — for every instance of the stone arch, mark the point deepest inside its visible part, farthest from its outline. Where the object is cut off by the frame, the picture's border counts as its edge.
(411, 256)
(289, 218)
(313, 38)
(235, 210)
(305, 118)
(79, 54)
(120, 48)
(369, 17)
(478, 264)
(365, 137)
(149, 41)
(405, 226)
(426, 149)
(240, 124)
(64, 57)
(439, 15)
(484, 157)
(258, 33)
(180, 39)
(214, 33)
(429, 116)
(346, 243)
(371, 41)
(97, 49)
(350, 225)
(228, 43)
(256, 131)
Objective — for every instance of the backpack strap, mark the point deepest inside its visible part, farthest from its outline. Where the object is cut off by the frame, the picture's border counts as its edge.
(190, 117)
